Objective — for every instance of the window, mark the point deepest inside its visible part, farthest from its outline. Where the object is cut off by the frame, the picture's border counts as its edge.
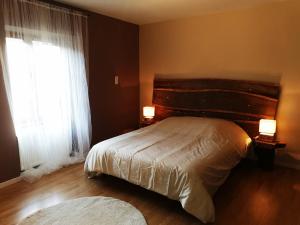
(45, 79)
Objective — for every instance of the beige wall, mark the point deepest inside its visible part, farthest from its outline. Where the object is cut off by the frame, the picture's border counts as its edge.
(261, 43)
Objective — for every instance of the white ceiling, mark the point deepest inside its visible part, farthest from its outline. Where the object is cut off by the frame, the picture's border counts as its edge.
(151, 11)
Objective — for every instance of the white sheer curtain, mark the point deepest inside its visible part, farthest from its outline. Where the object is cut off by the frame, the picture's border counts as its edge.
(45, 77)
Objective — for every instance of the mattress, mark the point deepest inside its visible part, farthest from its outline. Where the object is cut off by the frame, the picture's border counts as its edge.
(183, 158)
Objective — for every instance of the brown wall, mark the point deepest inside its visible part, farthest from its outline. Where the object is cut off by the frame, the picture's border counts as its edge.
(113, 49)
(9, 154)
(261, 43)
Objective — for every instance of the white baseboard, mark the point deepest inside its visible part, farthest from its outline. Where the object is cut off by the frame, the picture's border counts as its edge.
(10, 182)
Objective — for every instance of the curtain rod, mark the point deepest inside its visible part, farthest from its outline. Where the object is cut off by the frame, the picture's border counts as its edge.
(55, 7)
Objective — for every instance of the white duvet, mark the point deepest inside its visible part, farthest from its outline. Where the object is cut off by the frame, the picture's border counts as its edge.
(183, 158)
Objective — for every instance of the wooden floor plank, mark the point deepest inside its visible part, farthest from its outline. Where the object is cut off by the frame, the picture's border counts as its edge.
(249, 197)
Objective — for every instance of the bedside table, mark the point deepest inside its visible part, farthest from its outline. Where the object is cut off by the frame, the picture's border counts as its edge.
(265, 152)
(145, 123)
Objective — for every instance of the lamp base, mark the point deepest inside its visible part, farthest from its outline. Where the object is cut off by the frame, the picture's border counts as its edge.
(148, 120)
(267, 138)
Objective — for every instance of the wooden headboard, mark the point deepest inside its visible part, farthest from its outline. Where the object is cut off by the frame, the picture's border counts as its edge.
(244, 102)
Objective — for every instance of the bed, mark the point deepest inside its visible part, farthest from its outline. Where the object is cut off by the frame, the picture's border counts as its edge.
(204, 129)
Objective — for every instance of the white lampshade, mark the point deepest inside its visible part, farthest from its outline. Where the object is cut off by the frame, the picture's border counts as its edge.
(148, 112)
(267, 127)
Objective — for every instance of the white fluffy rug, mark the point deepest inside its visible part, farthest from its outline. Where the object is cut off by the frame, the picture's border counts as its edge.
(88, 211)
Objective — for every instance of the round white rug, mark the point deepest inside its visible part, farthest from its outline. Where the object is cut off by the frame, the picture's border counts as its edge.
(88, 211)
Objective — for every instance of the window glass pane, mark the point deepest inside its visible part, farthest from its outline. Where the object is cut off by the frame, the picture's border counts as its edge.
(39, 83)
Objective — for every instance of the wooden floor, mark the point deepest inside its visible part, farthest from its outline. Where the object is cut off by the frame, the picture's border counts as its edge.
(249, 197)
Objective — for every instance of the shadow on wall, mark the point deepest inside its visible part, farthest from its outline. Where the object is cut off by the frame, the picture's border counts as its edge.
(288, 123)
